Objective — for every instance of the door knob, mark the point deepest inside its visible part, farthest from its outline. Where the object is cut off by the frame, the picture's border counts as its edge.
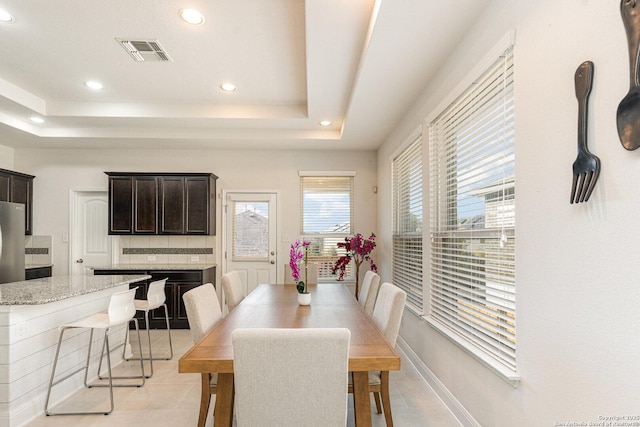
(80, 261)
(273, 262)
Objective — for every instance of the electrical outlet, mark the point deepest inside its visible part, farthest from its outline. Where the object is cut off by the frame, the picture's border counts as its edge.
(151, 258)
(195, 258)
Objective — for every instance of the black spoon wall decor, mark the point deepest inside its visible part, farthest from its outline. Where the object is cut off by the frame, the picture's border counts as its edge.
(628, 115)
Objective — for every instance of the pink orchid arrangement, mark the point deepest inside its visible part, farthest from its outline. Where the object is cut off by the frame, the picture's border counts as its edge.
(298, 253)
(359, 249)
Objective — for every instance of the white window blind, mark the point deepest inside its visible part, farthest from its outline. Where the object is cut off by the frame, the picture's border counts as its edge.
(407, 223)
(327, 218)
(472, 215)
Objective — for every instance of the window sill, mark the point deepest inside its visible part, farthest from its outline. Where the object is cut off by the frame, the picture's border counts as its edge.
(503, 372)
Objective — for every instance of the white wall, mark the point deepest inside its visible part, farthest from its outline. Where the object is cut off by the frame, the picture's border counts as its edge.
(58, 171)
(578, 281)
(6, 157)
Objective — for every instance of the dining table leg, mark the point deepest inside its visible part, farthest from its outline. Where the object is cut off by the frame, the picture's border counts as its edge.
(361, 399)
(223, 410)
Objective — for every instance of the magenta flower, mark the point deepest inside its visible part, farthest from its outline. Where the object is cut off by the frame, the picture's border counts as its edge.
(359, 249)
(298, 253)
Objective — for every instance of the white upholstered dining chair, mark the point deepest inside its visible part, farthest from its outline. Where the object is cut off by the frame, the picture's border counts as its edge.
(203, 312)
(369, 291)
(233, 288)
(387, 315)
(291, 377)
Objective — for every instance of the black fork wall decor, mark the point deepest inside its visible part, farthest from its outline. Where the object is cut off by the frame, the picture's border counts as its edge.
(586, 168)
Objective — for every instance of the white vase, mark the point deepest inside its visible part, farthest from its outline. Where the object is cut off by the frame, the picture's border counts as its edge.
(304, 299)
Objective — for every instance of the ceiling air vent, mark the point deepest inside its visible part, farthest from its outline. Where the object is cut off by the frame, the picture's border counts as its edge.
(144, 50)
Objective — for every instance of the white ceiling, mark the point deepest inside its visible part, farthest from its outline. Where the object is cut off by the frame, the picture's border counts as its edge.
(359, 63)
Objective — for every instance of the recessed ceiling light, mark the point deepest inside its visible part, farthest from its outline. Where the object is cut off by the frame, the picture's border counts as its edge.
(36, 119)
(6, 16)
(228, 87)
(325, 123)
(192, 16)
(92, 84)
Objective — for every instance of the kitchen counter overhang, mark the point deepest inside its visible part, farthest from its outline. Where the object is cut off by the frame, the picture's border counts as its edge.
(57, 288)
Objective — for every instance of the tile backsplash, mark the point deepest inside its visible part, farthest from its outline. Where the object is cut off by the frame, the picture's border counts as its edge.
(165, 249)
(37, 250)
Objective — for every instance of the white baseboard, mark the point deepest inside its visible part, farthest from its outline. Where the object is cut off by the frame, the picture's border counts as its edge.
(456, 409)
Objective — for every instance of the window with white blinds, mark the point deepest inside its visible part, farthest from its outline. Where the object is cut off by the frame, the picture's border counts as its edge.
(407, 223)
(472, 215)
(327, 218)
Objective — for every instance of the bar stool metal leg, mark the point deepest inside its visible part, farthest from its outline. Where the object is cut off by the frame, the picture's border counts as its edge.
(121, 377)
(121, 311)
(155, 299)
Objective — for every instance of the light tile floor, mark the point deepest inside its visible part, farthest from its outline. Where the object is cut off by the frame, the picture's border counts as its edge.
(172, 399)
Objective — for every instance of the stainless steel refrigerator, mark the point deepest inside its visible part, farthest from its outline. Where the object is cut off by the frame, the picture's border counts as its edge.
(11, 242)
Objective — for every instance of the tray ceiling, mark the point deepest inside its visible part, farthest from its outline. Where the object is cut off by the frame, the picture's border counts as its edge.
(358, 63)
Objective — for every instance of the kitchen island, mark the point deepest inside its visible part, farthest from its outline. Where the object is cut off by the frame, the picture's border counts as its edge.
(30, 313)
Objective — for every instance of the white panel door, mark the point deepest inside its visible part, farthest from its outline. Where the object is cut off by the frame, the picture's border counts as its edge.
(250, 237)
(91, 243)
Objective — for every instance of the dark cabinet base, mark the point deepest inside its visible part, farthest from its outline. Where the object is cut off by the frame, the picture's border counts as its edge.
(178, 282)
(37, 273)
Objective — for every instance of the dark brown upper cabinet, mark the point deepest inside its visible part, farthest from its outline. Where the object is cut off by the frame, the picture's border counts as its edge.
(145, 205)
(166, 203)
(172, 204)
(18, 188)
(200, 205)
(120, 205)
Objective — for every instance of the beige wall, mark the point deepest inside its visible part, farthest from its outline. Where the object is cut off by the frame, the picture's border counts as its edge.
(58, 171)
(6, 157)
(578, 282)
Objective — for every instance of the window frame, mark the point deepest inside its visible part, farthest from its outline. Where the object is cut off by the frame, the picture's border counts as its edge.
(327, 240)
(407, 250)
(508, 373)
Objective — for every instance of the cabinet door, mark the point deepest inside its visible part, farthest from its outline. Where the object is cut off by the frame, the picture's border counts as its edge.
(178, 282)
(4, 187)
(175, 306)
(145, 212)
(21, 192)
(172, 206)
(120, 205)
(198, 209)
(180, 313)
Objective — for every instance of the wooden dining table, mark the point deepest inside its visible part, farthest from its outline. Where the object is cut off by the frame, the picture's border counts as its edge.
(276, 306)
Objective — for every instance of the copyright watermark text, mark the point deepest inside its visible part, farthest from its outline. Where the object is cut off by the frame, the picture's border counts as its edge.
(604, 421)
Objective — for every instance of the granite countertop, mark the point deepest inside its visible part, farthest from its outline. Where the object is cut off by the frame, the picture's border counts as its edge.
(57, 288)
(146, 267)
(28, 266)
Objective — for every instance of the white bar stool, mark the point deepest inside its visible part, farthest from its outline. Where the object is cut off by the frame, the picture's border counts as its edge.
(156, 298)
(121, 311)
